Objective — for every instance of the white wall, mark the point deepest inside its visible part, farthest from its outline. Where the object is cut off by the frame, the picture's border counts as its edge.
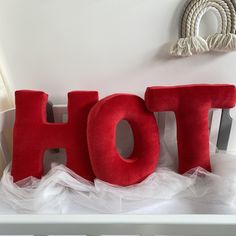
(105, 45)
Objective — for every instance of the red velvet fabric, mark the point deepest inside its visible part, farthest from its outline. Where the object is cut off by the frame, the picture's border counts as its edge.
(106, 162)
(33, 134)
(191, 105)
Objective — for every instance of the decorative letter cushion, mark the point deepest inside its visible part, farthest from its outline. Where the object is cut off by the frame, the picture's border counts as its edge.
(106, 162)
(191, 105)
(33, 134)
(89, 136)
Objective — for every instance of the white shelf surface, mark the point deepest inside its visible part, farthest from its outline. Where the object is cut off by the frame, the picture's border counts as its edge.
(191, 225)
(118, 219)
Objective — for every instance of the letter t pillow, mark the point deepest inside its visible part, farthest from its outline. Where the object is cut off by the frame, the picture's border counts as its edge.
(191, 105)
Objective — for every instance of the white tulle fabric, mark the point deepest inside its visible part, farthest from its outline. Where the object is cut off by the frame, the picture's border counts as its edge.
(61, 191)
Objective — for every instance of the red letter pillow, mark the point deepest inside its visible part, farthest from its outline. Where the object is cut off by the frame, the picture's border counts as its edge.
(191, 105)
(106, 162)
(33, 134)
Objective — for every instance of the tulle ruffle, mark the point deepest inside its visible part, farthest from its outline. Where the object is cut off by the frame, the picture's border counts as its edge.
(61, 191)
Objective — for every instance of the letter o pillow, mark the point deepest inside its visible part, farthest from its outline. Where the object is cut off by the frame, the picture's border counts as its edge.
(106, 162)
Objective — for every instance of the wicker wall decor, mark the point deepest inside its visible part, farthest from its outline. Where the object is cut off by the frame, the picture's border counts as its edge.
(191, 42)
